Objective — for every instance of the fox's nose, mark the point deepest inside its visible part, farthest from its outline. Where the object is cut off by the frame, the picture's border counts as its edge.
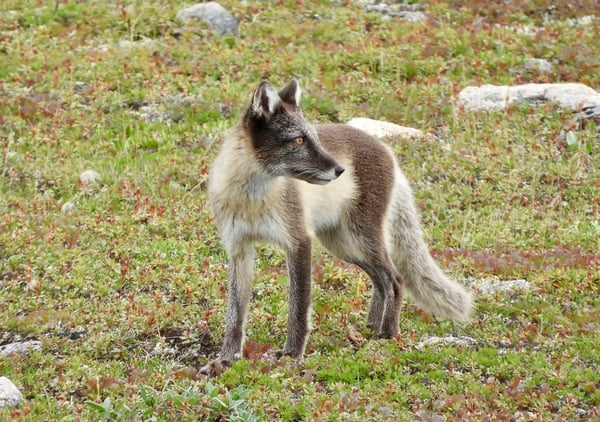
(339, 170)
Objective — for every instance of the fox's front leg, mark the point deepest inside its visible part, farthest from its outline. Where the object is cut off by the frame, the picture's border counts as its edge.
(239, 289)
(299, 269)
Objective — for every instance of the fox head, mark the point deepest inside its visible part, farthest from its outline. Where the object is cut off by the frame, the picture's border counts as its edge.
(284, 143)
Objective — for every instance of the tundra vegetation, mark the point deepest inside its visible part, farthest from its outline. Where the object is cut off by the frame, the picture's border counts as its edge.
(119, 271)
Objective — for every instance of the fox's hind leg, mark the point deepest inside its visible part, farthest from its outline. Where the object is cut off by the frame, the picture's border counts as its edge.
(366, 248)
(386, 303)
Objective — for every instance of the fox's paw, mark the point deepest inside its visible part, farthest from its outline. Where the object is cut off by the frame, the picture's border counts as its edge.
(282, 353)
(215, 368)
(378, 333)
(385, 335)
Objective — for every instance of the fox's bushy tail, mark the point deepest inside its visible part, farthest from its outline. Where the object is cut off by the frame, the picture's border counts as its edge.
(425, 282)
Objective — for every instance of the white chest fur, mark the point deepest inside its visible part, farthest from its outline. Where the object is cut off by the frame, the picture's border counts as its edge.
(324, 205)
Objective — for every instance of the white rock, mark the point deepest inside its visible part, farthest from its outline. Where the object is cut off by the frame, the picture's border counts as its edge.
(382, 129)
(88, 177)
(9, 393)
(386, 412)
(459, 341)
(493, 97)
(212, 14)
(539, 65)
(67, 207)
(151, 113)
(582, 21)
(131, 45)
(527, 30)
(406, 11)
(413, 16)
(491, 286)
(20, 348)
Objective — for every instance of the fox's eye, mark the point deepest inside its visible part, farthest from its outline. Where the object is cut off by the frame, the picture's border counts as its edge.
(299, 140)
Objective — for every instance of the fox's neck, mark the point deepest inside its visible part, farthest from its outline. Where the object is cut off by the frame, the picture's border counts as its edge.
(245, 176)
(257, 185)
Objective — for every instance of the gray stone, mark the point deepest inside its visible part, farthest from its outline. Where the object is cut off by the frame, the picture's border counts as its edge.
(132, 45)
(397, 11)
(9, 393)
(588, 113)
(449, 340)
(492, 286)
(151, 113)
(537, 65)
(89, 177)
(67, 207)
(212, 14)
(80, 87)
(382, 129)
(413, 16)
(386, 412)
(582, 21)
(580, 122)
(493, 97)
(20, 348)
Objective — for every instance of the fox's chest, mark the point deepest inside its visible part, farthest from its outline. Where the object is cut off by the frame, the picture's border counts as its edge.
(325, 206)
(260, 224)
(252, 212)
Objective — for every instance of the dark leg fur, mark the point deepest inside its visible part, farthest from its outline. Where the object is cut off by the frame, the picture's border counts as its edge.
(385, 308)
(239, 289)
(299, 269)
(383, 317)
(237, 309)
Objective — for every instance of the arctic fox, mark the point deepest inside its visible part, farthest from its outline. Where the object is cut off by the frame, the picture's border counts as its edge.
(280, 180)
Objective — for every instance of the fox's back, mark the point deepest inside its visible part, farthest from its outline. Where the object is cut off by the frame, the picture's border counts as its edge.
(365, 188)
(371, 163)
(343, 140)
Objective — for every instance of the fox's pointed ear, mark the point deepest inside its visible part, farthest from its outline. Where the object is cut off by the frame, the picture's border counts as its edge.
(265, 100)
(291, 93)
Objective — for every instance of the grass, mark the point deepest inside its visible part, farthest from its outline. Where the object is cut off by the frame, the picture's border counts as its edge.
(126, 290)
